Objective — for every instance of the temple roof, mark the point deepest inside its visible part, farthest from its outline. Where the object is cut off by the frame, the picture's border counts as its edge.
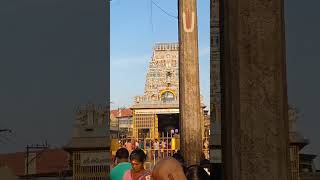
(86, 143)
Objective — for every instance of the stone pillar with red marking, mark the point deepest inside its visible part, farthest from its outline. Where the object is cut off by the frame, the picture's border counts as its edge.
(189, 100)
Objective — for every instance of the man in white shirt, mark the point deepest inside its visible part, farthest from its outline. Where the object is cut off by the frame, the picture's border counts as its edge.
(156, 148)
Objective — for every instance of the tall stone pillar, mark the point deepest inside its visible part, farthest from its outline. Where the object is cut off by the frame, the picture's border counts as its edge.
(254, 90)
(215, 88)
(215, 91)
(189, 95)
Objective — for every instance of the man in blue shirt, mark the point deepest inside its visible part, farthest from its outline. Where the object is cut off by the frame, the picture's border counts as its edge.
(122, 166)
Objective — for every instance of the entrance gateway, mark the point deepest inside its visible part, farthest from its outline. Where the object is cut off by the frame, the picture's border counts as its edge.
(154, 123)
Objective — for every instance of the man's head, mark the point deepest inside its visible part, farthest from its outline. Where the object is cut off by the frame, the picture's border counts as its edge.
(168, 169)
(122, 155)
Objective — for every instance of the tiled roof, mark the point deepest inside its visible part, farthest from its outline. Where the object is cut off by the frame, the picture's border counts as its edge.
(53, 161)
(88, 143)
(50, 160)
(121, 113)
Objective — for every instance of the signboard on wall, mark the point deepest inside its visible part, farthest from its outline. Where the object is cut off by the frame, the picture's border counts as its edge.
(94, 158)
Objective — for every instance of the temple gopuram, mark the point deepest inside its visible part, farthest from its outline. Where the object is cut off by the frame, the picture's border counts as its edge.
(157, 111)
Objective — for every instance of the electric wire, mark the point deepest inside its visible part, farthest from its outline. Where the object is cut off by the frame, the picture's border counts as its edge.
(164, 11)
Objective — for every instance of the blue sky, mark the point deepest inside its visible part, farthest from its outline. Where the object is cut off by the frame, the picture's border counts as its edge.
(134, 29)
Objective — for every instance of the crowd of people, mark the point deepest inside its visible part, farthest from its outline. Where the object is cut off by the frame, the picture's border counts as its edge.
(152, 148)
(131, 167)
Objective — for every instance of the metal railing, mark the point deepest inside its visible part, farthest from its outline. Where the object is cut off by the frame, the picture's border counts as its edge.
(165, 146)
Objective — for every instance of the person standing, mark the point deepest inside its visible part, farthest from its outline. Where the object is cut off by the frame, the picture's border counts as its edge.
(163, 148)
(129, 146)
(141, 144)
(122, 166)
(156, 147)
(137, 144)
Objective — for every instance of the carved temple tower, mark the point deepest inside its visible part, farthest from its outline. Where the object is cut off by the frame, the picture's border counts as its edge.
(157, 111)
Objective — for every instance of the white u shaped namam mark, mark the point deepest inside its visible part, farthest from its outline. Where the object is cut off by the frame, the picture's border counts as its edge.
(188, 25)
